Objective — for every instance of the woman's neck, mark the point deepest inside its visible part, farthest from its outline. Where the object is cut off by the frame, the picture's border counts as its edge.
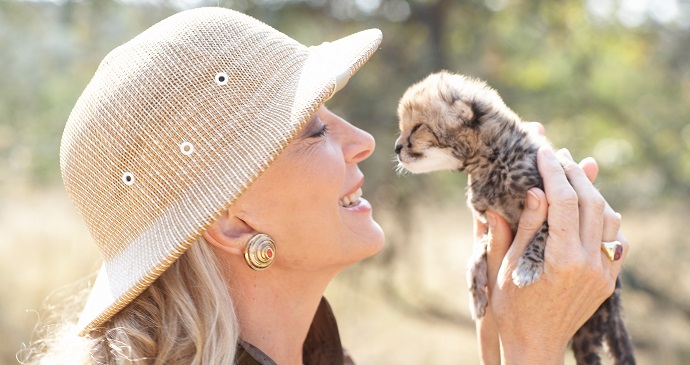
(275, 310)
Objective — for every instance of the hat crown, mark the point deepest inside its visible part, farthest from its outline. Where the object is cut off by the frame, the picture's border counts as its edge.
(199, 81)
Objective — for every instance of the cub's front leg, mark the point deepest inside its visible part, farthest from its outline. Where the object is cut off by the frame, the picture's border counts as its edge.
(531, 264)
(478, 277)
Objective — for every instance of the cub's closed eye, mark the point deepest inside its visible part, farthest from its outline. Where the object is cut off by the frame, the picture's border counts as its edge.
(414, 129)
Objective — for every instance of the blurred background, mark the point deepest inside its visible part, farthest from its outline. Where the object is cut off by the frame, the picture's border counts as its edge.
(607, 78)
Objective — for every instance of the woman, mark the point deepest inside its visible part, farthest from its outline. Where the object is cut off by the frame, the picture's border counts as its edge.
(224, 197)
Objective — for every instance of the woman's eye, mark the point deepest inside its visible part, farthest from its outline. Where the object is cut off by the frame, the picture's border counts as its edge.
(321, 132)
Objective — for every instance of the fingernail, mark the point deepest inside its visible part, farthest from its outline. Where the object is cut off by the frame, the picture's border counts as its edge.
(491, 219)
(548, 153)
(532, 200)
(565, 153)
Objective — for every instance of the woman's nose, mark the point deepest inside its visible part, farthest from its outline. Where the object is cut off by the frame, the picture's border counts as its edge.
(360, 146)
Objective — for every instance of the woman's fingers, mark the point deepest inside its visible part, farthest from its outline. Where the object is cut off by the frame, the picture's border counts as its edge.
(535, 128)
(612, 220)
(564, 220)
(599, 222)
(590, 202)
(612, 224)
(617, 265)
(590, 167)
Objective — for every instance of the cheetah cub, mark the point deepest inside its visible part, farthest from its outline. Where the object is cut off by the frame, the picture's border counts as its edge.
(452, 122)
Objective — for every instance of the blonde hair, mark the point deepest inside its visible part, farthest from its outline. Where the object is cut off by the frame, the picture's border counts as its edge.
(186, 316)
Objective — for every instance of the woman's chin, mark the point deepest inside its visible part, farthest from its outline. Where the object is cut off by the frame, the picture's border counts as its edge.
(369, 241)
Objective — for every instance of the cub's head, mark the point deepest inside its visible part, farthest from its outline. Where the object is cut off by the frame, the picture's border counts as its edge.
(441, 121)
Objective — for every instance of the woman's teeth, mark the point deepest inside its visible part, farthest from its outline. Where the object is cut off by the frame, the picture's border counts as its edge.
(351, 200)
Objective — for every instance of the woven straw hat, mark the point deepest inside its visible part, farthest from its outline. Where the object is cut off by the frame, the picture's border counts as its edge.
(176, 124)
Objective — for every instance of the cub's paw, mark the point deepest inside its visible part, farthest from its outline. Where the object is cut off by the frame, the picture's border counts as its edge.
(479, 303)
(527, 272)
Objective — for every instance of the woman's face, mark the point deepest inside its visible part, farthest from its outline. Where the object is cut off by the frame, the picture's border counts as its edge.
(310, 199)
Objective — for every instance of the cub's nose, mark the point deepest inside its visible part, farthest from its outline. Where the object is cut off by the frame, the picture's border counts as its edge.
(398, 148)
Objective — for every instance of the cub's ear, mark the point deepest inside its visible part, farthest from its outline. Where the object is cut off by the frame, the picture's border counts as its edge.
(477, 114)
(466, 114)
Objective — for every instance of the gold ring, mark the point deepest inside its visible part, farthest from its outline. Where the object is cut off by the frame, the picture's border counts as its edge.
(613, 249)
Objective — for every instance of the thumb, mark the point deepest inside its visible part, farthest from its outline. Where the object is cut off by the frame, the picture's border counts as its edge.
(531, 220)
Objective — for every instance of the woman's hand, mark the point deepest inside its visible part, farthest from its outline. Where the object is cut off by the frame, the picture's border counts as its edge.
(535, 322)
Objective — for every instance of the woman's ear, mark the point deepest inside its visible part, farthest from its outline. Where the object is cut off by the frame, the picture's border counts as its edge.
(229, 233)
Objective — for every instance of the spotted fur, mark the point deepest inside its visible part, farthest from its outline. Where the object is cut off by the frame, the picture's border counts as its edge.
(452, 122)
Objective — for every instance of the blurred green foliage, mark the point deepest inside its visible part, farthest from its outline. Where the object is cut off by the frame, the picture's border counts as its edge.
(607, 78)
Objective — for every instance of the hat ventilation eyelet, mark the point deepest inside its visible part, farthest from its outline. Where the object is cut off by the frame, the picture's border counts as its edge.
(186, 148)
(128, 178)
(221, 78)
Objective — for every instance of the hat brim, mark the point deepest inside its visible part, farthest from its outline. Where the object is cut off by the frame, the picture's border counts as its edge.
(326, 69)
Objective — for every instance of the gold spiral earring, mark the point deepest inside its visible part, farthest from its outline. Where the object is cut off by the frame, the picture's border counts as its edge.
(260, 252)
